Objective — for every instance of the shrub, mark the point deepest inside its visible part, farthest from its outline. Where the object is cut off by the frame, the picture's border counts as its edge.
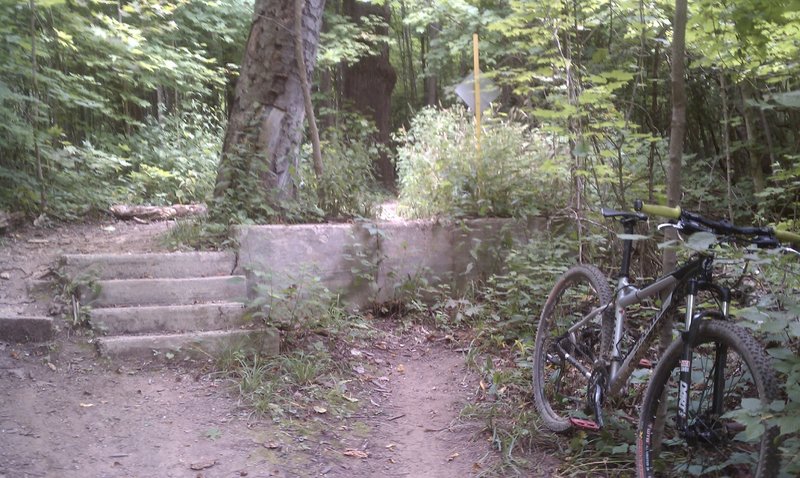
(441, 173)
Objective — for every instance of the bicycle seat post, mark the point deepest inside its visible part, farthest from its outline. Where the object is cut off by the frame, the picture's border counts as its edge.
(627, 247)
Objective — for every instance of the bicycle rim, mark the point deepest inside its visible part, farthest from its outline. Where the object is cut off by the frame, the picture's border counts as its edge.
(717, 440)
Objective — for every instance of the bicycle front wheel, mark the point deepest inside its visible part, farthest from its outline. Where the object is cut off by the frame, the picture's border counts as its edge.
(732, 378)
(573, 332)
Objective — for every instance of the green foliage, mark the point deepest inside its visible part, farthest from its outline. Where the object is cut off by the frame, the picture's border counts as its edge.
(100, 71)
(774, 313)
(347, 187)
(441, 173)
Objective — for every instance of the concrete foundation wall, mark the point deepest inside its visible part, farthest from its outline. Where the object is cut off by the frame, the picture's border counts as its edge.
(370, 262)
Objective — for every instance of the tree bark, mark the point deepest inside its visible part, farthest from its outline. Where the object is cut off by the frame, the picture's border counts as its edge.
(266, 117)
(431, 81)
(306, 87)
(368, 87)
(676, 138)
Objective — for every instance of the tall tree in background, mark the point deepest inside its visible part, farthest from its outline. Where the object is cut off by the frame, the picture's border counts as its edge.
(676, 139)
(368, 85)
(678, 123)
(264, 128)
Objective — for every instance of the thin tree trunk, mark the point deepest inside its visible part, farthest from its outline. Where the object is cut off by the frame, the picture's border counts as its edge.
(302, 70)
(651, 159)
(677, 134)
(755, 161)
(431, 81)
(412, 77)
(726, 141)
(35, 113)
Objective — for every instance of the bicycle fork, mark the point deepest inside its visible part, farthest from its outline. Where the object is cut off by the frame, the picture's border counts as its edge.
(688, 338)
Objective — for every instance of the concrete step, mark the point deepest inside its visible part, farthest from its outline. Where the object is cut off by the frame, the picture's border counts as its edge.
(19, 329)
(154, 265)
(134, 292)
(194, 345)
(168, 318)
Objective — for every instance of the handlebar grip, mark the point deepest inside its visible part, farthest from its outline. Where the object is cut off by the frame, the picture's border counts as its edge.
(786, 236)
(656, 210)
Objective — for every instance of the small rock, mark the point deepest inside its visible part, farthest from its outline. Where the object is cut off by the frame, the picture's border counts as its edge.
(5, 276)
(17, 373)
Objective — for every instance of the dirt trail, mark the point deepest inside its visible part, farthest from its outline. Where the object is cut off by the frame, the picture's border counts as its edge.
(70, 416)
(432, 442)
(65, 413)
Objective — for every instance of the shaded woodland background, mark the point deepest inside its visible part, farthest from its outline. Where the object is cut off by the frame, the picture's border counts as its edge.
(105, 102)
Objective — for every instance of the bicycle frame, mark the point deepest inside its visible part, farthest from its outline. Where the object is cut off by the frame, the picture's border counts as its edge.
(695, 275)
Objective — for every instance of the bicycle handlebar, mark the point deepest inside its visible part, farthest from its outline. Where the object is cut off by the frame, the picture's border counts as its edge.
(719, 227)
(786, 236)
(656, 210)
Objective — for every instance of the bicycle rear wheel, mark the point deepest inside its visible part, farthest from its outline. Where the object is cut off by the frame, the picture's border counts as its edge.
(563, 360)
(716, 441)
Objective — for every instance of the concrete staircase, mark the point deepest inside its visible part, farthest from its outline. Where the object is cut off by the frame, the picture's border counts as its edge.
(173, 306)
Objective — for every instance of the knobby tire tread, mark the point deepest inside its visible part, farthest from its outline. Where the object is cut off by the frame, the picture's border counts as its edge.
(760, 364)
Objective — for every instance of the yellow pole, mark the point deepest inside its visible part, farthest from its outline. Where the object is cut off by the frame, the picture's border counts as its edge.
(477, 69)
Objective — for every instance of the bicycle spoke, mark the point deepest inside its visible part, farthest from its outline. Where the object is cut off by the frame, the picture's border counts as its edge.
(712, 443)
(568, 343)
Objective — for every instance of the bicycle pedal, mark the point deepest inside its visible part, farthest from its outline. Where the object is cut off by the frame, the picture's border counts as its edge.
(644, 363)
(584, 424)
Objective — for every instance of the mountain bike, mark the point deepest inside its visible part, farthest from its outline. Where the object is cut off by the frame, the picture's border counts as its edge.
(712, 372)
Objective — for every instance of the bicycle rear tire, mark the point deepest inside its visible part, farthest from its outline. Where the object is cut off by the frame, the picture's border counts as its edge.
(715, 444)
(559, 388)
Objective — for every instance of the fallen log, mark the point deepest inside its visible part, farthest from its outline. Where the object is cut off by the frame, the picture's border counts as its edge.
(156, 213)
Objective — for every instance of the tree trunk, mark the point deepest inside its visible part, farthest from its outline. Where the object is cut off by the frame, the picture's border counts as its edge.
(305, 86)
(265, 124)
(756, 169)
(431, 82)
(677, 134)
(368, 86)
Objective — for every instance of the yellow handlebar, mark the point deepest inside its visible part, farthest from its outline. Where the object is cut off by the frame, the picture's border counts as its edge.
(675, 213)
(786, 236)
(656, 210)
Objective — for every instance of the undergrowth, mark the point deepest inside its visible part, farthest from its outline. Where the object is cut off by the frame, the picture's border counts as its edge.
(310, 378)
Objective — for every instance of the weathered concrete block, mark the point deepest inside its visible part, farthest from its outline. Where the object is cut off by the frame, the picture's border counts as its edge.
(26, 329)
(132, 292)
(197, 345)
(167, 318)
(375, 262)
(148, 266)
(412, 254)
(277, 257)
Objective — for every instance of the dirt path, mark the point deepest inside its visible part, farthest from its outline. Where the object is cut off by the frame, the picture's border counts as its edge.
(64, 413)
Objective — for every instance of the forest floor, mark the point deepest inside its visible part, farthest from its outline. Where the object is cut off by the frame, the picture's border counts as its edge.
(64, 412)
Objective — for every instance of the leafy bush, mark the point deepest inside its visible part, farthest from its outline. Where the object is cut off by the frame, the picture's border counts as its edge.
(175, 161)
(775, 315)
(441, 173)
(347, 187)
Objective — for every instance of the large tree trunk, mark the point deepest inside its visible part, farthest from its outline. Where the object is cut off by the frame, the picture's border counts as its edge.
(369, 83)
(265, 124)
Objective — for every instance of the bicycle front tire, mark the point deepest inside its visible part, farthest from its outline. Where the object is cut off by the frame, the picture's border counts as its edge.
(715, 442)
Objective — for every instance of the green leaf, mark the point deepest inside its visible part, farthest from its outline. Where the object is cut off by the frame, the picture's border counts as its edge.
(790, 99)
(701, 241)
